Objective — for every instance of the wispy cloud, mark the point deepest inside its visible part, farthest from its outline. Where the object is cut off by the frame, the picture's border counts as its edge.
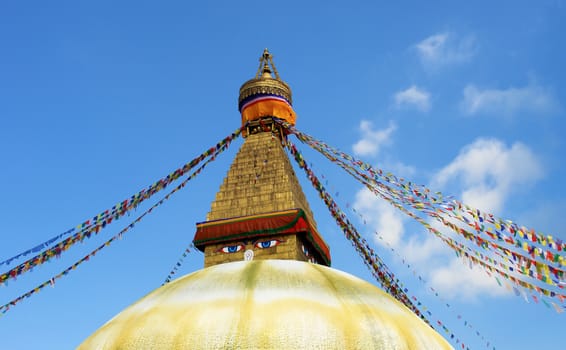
(381, 216)
(422, 250)
(413, 97)
(531, 98)
(372, 140)
(399, 168)
(487, 171)
(445, 48)
(457, 279)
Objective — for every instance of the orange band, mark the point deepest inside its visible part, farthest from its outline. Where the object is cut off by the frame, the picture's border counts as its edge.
(269, 108)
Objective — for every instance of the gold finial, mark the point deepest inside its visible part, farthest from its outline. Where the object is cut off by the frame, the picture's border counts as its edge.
(264, 82)
(265, 61)
(265, 95)
(266, 54)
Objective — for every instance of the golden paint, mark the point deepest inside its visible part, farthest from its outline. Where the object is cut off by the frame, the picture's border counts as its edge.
(243, 193)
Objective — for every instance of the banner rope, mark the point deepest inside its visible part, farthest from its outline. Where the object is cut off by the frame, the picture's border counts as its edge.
(386, 278)
(178, 264)
(458, 247)
(541, 271)
(125, 206)
(429, 289)
(375, 264)
(4, 308)
(120, 209)
(423, 281)
(520, 235)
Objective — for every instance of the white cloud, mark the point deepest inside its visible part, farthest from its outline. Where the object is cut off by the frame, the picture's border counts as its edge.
(509, 101)
(400, 169)
(444, 49)
(457, 279)
(372, 140)
(413, 97)
(422, 251)
(487, 171)
(382, 217)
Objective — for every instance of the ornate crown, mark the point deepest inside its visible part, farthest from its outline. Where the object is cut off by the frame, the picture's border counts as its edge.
(265, 83)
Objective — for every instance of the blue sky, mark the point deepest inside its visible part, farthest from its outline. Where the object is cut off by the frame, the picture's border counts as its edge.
(99, 100)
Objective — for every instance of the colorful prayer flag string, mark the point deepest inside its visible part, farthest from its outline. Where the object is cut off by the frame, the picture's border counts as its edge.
(377, 267)
(474, 257)
(523, 265)
(37, 248)
(100, 221)
(422, 280)
(6, 307)
(519, 233)
(177, 265)
(105, 217)
(386, 278)
(384, 191)
(389, 197)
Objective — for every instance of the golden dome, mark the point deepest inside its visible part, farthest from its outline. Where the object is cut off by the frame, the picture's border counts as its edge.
(266, 304)
(265, 96)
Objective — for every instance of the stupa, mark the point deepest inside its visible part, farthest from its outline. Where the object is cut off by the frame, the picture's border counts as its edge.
(267, 281)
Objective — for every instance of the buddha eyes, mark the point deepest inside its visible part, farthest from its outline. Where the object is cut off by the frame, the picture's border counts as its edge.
(267, 244)
(232, 248)
(239, 247)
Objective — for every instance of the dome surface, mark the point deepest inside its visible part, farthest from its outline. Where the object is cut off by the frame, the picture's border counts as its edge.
(266, 304)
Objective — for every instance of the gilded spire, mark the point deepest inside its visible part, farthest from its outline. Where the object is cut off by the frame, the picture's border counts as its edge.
(264, 95)
(266, 60)
(260, 211)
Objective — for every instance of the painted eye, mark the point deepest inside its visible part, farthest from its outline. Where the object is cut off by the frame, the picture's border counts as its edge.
(267, 244)
(232, 248)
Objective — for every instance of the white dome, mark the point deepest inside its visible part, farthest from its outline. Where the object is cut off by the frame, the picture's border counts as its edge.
(266, 304)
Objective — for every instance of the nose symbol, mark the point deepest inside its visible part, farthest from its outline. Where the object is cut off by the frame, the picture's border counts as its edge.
(249, 255)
